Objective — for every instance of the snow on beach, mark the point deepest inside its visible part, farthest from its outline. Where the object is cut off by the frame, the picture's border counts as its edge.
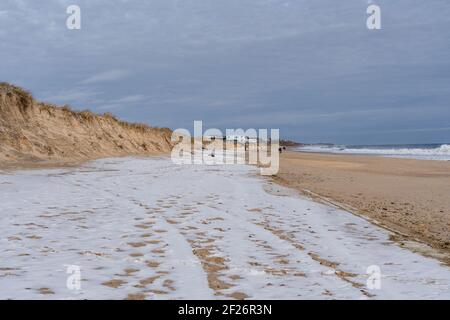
(147, 228)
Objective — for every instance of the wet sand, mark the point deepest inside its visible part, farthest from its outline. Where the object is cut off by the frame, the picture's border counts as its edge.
(411, 197)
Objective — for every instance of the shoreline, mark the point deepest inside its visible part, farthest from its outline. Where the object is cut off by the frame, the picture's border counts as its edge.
(136, 230)
(405, 196)
(374, 155)
(311, 173)
(52, 164)
(425, 151)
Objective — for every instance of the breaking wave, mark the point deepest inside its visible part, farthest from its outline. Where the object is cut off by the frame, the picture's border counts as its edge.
(425, 151)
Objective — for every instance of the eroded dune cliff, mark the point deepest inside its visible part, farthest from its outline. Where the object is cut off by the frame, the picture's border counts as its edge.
(36, 132)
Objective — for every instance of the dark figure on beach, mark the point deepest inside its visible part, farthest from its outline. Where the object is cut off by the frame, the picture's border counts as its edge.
(280, 150)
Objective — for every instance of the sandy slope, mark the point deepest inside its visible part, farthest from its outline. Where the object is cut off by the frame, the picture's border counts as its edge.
(146, 228)
(32, 132)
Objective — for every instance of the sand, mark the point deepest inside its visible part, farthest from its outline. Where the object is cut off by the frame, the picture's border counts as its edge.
(37, 134)
(409, 196)
(146, 228)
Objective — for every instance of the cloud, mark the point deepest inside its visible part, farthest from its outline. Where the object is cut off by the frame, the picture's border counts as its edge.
(122, 102)
(130, 99)
(418, 130)
(106, 76)
(311, 66)
(75, 95)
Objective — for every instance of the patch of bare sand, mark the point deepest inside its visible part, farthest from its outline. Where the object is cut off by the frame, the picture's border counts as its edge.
(46, 291)
(212, 265)
(115, 283)
(136, 296)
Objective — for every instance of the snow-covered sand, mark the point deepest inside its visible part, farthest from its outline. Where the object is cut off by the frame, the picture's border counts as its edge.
(147, 228)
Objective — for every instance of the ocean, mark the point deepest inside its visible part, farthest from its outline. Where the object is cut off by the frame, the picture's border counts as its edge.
(436, 151)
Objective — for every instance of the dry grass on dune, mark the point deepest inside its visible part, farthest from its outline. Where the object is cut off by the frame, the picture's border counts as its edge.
(32, 131)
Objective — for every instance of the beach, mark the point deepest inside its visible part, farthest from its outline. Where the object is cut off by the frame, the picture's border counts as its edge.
(225, 156)
(145, 228)
(406, 195)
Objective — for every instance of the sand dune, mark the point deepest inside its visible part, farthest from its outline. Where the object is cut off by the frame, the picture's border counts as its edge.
(34, 132)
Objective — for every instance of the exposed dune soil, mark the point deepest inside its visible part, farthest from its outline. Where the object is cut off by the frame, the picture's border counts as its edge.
(34, 133)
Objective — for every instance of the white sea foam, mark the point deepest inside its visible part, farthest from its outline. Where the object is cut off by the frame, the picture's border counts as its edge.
(441, 152)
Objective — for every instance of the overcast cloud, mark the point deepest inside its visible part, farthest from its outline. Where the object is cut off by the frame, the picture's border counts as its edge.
(308, 67)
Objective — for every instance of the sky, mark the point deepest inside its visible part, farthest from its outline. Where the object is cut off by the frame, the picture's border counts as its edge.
(310, 68)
